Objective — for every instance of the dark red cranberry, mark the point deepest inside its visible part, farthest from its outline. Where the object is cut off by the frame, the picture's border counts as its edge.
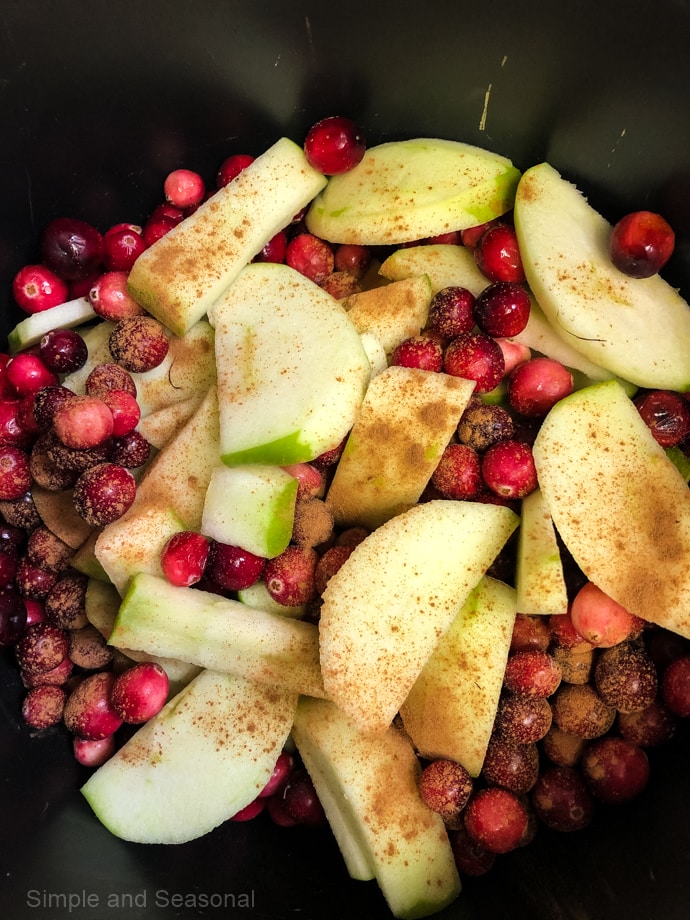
(458, 474)
(63, 351)
(451, 311)
(109, 376)
(641, 244)
(334, 145)
(675, 686)
(233, 568)
(510, 765)
(130, 450)
(122, 246)
(502, 309)
(614, 769)
(27, 373)
(497, 254)
(649, 727)
(352, 258)
(15, 473)
(300, 800)
(42, 647)
(184, 558)
(72, 248)
(231, 167)
(561, 799)
(475, 356)
(666, 414)
(625, 677)
(13, 617)
(530, 633)
(471, 858)
(103, 493)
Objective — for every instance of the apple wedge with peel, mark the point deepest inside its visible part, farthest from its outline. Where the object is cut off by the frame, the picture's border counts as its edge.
(444, 264)
(292, 370)
(219, 633)
(386, 608)
(66, 315)
(539, 578)
(639, 329)
(369, 790)
(206, 755)
(451, 708)
(619, 503)
(409, 190)
(182, 274)
(407, 418)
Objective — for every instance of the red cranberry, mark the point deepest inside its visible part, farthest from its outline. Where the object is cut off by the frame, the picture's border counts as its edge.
(72, 248)
(508, 469)
(641, 244)
(471, 858)
(675, 686)
(535, 386)
(42, 647)
(138, 343)
(88, 710)
(451, 311)
(250, 811)
(233, 568)
(63, 351)
(43, 706)
(445, 787)
(122, 246)
(124, 410)
(139, 692)
(475, 356)
(530, 633)
(290, 577)
(300, 800)
(27, 373)
(334, 145)
(310, 256)
(184, 188)
(110, 298)
(502, 309)
(231, 167)
(184, 558)
(37, 288)
(522, 719)
(666, 414)
(510, 765)
(13, 424)
(279, 776)
(13, 618)
(109, 376)
(156, 228)
(533, 672)
(93, 752)
(561, 800)
(614, 769)
(564, 633)
(15, 472)
(471, 236)
(328, 564)
(353, 259)
(274, 250)
(497, 254)
(83, 422)
(458, 474)
(419, 352)
(649, 727)
(130, 450)
(103, 493)
(496, 819)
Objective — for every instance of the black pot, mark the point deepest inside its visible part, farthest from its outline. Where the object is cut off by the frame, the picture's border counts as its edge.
(98, 102)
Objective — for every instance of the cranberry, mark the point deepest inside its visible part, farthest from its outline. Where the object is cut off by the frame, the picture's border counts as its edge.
(290, 577)
(27, 373)
(109, 376)
(274, 250)
(42, 647)
(475, 356)
(675, 686)
(37, 288)
(110, 298)
(512, 766)
(124, 410)
(250, 811)
(497, 254)
(139, 692)
(12, 424)
(530, 633)
(666, 414)
(599, 619)
(184, 188)
(138, 343)
(614, 769)
(300, 800)
(564, 633)
(310, 256)
(535, 386)
(533, 672)
(122, 245)
(334, 145)
(156, 227)
(471, 235)
(496, 819)
(352, 258)
(130, 450)
(579, 710)
(502, 309)
(72, 248)
(233, 568)
(57, 676)
(309, 480)
(279, 776)
(93, 752)
(641, 244)
(471, 858)
(43, 706)
(445, 787)
(508, 469)
(103, 493)
(458, 474)
(88, 710)
(15, 473)
(231, 167)
(9, 564)
(83, 422)
(184, 558)
(649, 727)
(561, 800)
(421, 352)
(63, 351)
(328, 564)
(625, 677)
(522, 719)
(482, 425)
(562, 748)
(13, 618)
(451, 311)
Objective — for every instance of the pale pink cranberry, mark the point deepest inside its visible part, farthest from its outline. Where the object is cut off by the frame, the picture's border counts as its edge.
(93, 752)
(184, 188)
(310, 483)
(139, 692)
(334, 145)
(27, 373)
(289, 577)
(599, 619)
(420, 352)
(475, 356)
(184, 558)
(37, 288)
(124, 409)
(88, 710)
(508, 469)
(537, 385)
(497, 254)
(514, 353)
(110, 298)
(83, 422)
(231, 167)
(310, 256)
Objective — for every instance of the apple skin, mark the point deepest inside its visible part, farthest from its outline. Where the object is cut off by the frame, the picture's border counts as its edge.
(619, 503)
(31, 330)
(180, 276)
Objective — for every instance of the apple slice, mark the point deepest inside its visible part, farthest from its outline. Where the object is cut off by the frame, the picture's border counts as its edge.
(445, 265)
(620, 505)
(392, 312)
(451, 708)
(292, 370)
(639, 329)
(369, 791)
(59, 515)
(388, 605)
(32, 329)
(403, 426)
(409, 190)
(182, 274)
(206, 755)
(219, 633)
(252, 507)
(539, 578)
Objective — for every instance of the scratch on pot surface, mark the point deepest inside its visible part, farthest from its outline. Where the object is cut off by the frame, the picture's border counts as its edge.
(310, 38)
(615, 146)
(487, 96)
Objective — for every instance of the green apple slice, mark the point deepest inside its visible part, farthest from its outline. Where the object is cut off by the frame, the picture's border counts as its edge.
(252, 507)
(369, 790)
(539, 578)
(451, 708)
(445, 265)
(182, 274)
(32, 329)
(391, 312)
(639, 329)
(219, 633)
(620, 505)
(386, 608)
(292, 370)
(409, 190)
(206, 755)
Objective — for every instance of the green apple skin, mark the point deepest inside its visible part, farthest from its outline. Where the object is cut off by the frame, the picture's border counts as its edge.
(386, 608)
(415, 412)
(182, 274)
(257, 596)
(638, 329)
(392, 312)
(206, 755)
(444, 265)
(410, 190)
(66, 315)
(252, 507)
(369, 790)
(219, 633)
(539, 578)
(619, 503)
(277, 334)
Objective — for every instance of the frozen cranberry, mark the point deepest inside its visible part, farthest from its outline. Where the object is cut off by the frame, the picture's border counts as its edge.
(666, 414)
(37, 288)
(451, 311)
(122, 246)
(508, 469)
(310, 256)
(475, 356)
(497, 254)
(502, 309)
(13, 618)
(445, 787)
(496, 819)
(93, 752)
(625, 677)
(290, 577)
(15, 472)
(599, 619)
(614, 769)
(512, 766)
(110, 298)
(421, 352)
(138, 343)
(641, 244)
(184, 558)
(233, 568)
(27, 373)
(561, 800)
(63, 351)
(231, 167)
(537, 385)
(43, 706)
(675, 686)
(530, 633)
(103, 493)
(334, 145)
(352, 258)
(184, 188)
(274, 250)
(533, 672)
(458, 474)
(139, 692)
(72, 248)
(300, 800)
(522, 719)
(88, 710)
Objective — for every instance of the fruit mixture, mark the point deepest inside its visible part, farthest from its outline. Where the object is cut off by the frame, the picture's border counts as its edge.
(353, 490)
